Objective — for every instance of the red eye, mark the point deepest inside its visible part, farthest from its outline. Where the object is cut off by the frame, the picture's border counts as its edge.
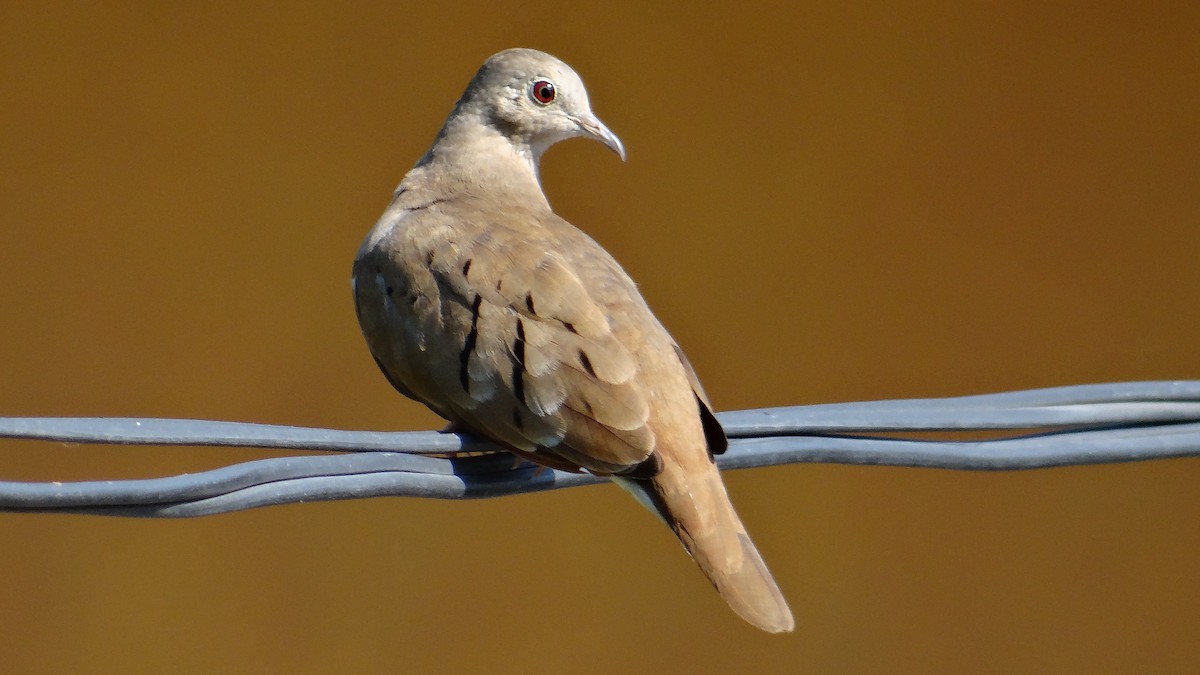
(543, 91)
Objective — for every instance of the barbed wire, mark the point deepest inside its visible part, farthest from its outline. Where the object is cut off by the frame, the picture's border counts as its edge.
(1061, 426)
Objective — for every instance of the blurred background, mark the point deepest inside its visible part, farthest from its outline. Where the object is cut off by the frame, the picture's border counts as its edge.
(823, 203)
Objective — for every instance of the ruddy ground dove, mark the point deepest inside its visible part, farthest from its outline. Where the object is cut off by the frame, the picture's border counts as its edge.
(480, 302)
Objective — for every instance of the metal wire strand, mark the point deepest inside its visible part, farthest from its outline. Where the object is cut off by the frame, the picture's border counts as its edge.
(1086, 424)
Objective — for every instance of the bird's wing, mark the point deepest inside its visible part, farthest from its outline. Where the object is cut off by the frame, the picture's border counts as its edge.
(499, 335)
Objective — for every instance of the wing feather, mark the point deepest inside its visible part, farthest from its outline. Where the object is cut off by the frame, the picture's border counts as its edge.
(513, 346)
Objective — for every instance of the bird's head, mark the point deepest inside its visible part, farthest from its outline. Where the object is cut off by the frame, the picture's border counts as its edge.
(535, 99)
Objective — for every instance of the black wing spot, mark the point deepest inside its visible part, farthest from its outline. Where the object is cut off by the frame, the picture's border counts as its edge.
(518, 369)
(467, 267)
(429, 258)
(570, 326)
(518, 378)
(422, 207)
(529, 304)
(649, 468)
(586, 363)
(519, 343)
(714, 434)
(464, 357)
(518, 421)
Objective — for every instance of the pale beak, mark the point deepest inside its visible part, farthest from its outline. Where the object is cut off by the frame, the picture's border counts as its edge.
(595, 128)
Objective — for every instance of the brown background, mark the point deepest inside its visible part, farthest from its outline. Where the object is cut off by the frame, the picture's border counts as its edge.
(823, 204)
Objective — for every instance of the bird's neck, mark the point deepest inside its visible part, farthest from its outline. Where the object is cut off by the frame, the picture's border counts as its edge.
(473, 155)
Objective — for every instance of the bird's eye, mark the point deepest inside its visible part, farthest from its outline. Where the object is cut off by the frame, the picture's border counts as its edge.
(543, 92)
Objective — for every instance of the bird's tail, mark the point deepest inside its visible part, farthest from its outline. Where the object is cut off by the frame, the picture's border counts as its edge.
(693, 502)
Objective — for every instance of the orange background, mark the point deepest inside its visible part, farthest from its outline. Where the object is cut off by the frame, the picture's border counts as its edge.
(822, 203)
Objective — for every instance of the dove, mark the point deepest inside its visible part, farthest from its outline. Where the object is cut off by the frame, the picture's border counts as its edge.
(480, 302)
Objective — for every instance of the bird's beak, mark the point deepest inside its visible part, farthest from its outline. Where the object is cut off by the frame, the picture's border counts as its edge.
(593, 127)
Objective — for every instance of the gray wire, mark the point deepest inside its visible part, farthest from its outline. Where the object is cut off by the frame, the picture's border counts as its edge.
(1087, 424)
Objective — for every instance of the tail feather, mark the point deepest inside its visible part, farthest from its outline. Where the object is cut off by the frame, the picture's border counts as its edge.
(695, 505)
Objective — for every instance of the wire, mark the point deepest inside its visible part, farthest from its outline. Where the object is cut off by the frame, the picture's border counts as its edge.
(1086, 424)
